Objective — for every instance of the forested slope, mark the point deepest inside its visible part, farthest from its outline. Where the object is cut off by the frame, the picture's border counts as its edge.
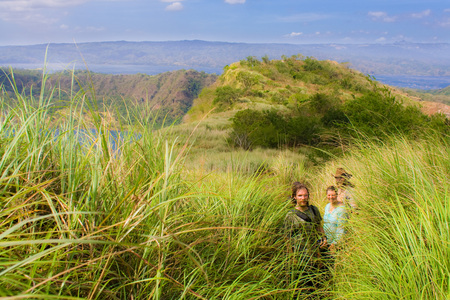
(170, 93)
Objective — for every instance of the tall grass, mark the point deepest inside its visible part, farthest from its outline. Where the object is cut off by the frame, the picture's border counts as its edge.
(398, 247)
(81, 218)
(86, 217)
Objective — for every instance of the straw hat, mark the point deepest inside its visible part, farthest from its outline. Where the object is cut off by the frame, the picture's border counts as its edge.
(340, 172)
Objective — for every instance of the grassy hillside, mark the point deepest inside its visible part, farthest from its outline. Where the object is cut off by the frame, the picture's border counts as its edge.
(283, 83)
(300, 101)
(132, 218)
(440, 96)
(170, 93)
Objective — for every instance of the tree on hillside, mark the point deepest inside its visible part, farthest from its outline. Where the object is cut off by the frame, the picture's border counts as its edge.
(247, 79)
(226, 95)
(251, 128)
(379, 113)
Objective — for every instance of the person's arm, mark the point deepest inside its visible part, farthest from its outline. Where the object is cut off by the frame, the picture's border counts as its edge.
(324, 237)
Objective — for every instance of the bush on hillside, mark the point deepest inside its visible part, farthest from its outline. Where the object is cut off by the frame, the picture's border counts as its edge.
(376, 114)
(304, 130)
(312, 64)
(320, 103)
(271, 129)
(226, 96)
(252, 61)
(252, 128)
(439, 123)
(379, 113)
(335, 117)
(247, 79)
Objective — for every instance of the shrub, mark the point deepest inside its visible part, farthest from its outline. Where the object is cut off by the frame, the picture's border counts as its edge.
(282, 67)
(252, 61)
(335, 116)
(379, 113)
(277, 98)
(320, 103)
(303, 130)
(312, 64)
(252, 128)
(298, 98)
(247, 79)
(271, 129)
(226, 95)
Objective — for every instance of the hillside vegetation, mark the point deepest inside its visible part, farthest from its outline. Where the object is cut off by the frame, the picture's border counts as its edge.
(84, 215)
(300, 101)
(170, 94)
(188, 212)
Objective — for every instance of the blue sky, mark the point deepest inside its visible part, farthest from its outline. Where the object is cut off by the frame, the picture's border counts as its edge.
(26, 22)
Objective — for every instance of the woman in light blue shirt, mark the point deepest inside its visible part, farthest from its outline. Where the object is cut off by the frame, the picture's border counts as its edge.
(334, 219)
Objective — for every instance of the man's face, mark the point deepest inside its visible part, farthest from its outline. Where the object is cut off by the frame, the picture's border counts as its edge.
(302, 198)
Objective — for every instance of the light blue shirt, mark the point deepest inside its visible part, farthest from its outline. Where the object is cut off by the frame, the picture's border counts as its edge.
(333, 223)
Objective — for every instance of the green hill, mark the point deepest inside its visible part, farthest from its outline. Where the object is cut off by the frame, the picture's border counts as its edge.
(431, 98)
(292, 102)
(300, 101)
(170, 93)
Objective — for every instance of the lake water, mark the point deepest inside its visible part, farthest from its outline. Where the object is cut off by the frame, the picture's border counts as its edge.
(416, 82)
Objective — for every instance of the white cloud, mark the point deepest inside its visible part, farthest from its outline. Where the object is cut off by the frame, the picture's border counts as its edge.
(307, 17)
(421, 14)
(365, 32)
(377, 14)
(381, 40)
(381, 16)
(444, 23)
(33, 11)
(89, 29)
(175, 6)
(95, 29)
(294, 34)
(29, 5)
(170, 1)
(235, 1)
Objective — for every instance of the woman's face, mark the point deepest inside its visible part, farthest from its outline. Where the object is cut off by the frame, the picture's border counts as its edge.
(332, 196)
(302, 197)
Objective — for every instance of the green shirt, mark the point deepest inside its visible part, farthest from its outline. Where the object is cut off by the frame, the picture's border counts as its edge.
(304, 235)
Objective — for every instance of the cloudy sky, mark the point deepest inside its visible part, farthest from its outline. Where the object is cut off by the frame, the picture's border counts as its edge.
(25, 22)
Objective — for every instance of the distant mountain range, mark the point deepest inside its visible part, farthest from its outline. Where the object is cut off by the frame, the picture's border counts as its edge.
(156, 57)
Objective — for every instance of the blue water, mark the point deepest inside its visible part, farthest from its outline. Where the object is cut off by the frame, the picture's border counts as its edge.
(415, 82)
(115, 138)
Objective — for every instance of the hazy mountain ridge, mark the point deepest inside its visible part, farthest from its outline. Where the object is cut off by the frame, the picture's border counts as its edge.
(398, 58)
